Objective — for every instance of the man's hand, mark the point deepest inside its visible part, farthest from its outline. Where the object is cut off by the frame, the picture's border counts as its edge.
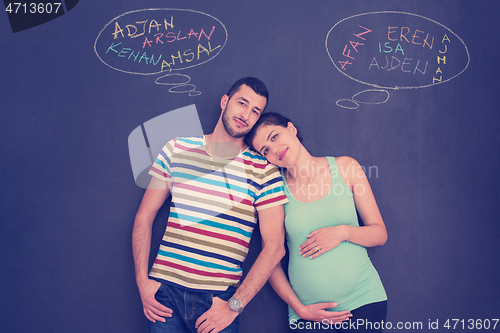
(317, 312)
(217, 318)
(153, 309)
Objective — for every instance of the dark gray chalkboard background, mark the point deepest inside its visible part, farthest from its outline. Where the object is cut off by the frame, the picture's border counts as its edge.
(68, 195)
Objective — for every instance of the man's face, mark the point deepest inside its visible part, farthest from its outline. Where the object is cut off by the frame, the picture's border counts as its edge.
(241, 111)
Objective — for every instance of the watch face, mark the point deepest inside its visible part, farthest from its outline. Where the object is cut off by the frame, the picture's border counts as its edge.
(235, 304)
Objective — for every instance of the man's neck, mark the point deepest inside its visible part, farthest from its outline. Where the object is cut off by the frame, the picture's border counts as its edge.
(220, 135)
(221, 144)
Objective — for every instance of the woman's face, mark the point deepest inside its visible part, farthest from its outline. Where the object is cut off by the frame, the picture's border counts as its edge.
(279, 145)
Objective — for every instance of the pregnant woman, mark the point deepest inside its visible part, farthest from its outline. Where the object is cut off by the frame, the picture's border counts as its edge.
(333, 284)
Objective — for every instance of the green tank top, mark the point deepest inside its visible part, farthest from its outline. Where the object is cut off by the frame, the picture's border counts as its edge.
(344, 274)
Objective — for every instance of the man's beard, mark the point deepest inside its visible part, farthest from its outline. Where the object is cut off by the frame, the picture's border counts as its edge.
(231, 131)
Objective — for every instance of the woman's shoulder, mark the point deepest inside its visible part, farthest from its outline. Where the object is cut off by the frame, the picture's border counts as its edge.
(345, 161)
(349, 169)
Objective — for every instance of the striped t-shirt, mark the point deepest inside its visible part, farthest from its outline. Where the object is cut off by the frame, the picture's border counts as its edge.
(212, 214)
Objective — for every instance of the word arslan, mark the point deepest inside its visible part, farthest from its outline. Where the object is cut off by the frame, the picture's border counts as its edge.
(133, 33)
(171, 37)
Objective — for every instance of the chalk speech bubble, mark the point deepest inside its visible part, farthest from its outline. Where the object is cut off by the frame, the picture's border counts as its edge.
(396, 50)
(159, 40)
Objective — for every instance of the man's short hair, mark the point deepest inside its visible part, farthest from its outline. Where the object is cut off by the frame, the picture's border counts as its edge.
(257, 86)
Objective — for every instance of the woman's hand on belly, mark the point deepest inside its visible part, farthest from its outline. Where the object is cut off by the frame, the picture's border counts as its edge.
(323, 240)
(317, 312)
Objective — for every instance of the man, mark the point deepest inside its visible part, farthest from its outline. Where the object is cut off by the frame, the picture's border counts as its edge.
(217, 184)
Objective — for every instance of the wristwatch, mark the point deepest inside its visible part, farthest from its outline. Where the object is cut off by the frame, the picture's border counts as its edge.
(235, 305)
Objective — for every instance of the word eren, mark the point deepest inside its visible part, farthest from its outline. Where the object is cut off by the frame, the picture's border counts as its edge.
(415, 38)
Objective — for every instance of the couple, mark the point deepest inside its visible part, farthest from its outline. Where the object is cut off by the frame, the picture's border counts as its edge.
(217, 184)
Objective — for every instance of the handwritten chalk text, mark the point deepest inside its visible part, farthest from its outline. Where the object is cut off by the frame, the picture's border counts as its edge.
(416, 37)
(406, 65)
(354, 47)
(171, 37)
(181, 57)
(133, 31)
(441, 60)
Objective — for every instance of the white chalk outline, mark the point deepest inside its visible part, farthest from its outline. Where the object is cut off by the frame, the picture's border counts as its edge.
(192, 92)
(353, 99)
(396, 88)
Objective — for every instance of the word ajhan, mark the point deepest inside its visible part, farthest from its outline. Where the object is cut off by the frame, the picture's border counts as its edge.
(439, 60)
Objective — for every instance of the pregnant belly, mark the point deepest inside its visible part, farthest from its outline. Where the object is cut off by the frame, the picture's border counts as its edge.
(331, 277)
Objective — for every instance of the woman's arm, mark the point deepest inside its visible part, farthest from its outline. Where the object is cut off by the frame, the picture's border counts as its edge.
(373, 233)
(313, 312)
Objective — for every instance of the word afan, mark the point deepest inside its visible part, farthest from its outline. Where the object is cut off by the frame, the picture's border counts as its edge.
(354, 46)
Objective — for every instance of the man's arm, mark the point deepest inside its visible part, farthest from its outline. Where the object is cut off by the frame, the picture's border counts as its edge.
(219, 316)
(154, 197)
(273, 249)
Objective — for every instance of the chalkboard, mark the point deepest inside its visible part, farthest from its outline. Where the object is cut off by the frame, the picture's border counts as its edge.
(90, 92)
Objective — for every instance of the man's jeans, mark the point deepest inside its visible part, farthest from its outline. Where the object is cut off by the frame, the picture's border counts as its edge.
(187, 307)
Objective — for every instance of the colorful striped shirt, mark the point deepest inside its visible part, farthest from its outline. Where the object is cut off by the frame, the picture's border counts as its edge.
(212, 213)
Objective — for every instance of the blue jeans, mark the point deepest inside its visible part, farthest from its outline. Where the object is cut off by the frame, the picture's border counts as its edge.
(187, 307)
